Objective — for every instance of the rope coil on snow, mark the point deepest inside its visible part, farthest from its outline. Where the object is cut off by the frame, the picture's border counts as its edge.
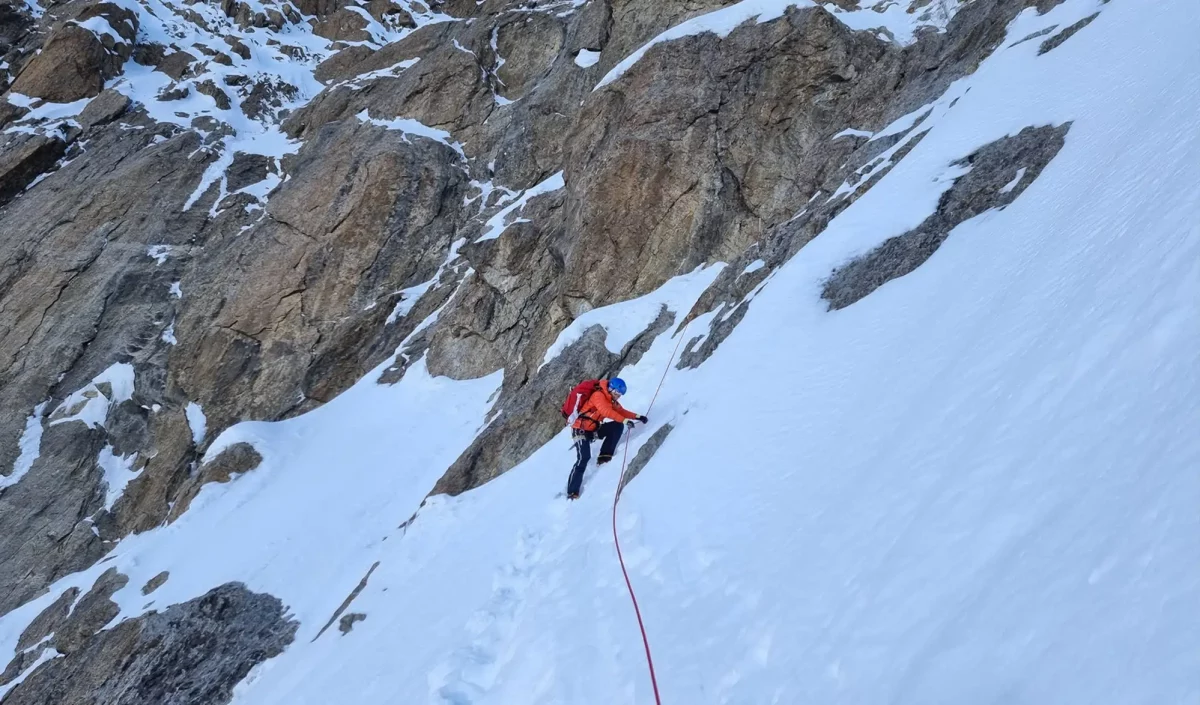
(616, 539)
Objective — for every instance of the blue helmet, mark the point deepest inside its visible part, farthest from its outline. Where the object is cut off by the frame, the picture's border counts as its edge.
(616, 384)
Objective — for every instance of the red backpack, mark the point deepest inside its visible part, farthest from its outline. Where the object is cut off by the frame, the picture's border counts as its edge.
(581, 393)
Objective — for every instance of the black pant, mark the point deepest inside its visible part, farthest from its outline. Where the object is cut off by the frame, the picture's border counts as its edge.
(610, 432)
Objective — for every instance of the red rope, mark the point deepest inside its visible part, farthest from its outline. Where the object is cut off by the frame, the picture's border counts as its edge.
(616, 539)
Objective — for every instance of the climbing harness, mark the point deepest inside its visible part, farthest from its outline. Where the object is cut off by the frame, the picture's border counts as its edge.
(616, 539)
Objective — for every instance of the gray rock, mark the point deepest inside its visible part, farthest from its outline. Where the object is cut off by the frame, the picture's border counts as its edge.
(49, 620)
(212, 90)
(93, 611)
(193, 653)
(104, 108)
(79, 294)
(155, 583)
(20, 663)
(345, 625)
(247, 169)
(342, 25)
(995, 180)
(305, 288)
(729, 295)
(344, 64)
(10, 112)
(173, 92)
(74, 63)
(175, 64)
(43, 535)
(1068, 32)
(529, 45)
(347, 622)
(23, 158)
(646, 453)
(236, 459)
(389, 11)
(266, 97)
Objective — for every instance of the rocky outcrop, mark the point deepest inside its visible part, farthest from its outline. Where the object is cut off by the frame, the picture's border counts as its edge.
(660, 179)
(80, 55)
(343, 25)
(78, 294)
(646, 453)
(365, 214)
(24, 158)
(90, 614)
(1068, 32)
(49, 620)
(998, 173)
(105, 108)
(193, 653)
(236, 459)
(155, 583)
(347, 622)
(43, 535)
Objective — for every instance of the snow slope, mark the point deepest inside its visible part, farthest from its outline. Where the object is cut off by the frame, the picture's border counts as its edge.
(976, 485)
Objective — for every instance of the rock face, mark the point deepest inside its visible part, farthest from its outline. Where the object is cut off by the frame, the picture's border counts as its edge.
(93, 611)
(76, 60)
(190, 654)
(24, 158)
(253, 257)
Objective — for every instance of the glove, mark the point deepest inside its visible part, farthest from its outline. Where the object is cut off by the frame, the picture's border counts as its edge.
(643, 419)
(629, 424)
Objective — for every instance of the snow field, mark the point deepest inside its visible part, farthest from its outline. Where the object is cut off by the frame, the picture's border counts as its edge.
(977, 484)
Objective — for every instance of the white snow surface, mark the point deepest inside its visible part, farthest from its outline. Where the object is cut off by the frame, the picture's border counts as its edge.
(46, 655)
(409, 298)
(159, 253)
(197, 422)
(587, 58)
(977, 484)
(34, 8)
(851, 132)
(497, 224)
(29, 445)
(101, 28)
(92, 402)
(118, 471)
(1016, 180)
(414, 127)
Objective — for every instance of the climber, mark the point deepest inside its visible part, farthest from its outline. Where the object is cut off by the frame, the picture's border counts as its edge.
(595, 401)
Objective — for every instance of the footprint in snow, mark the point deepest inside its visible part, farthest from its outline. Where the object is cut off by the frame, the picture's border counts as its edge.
(472, 670)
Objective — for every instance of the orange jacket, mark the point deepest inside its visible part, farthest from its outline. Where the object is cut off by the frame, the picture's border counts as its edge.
(598, 407)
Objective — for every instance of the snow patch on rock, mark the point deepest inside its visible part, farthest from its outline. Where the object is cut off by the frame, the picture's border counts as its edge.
(497, 223)
(196, 421)
(29, 445)
(623, 321)
(90, 404)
